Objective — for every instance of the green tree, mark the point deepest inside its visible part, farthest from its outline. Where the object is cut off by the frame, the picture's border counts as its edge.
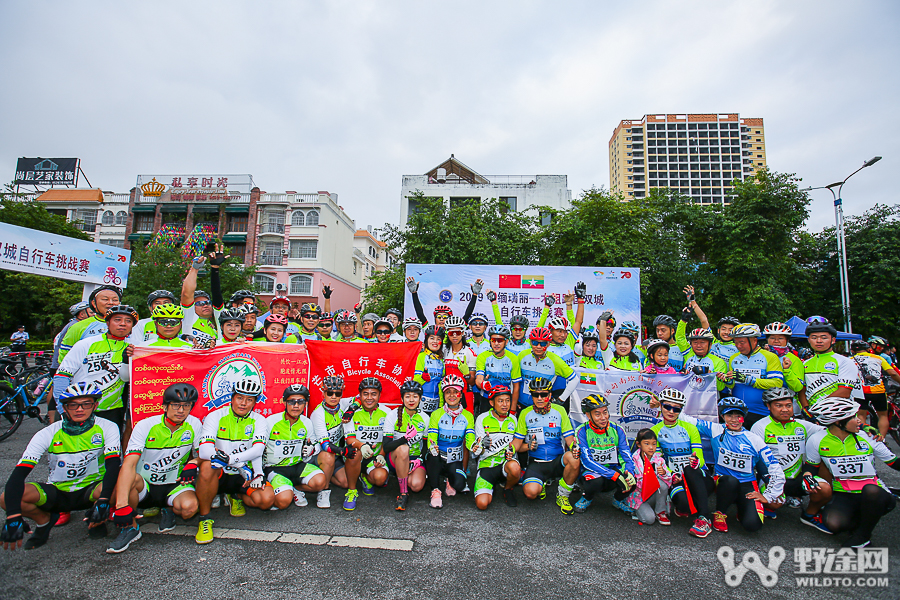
(385, 290)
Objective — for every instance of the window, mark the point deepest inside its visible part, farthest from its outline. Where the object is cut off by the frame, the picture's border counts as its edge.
(301, 285)
(108, 218)
(461, 202)
(546, 218)
(270, 253)
(298, 218)
(143, 222)
(273, 222)
(508, 203)
(114, 243)
(372, 252)
(264, 284)
(312, 218)
(121, 217)
(237, 250)
(303, 248)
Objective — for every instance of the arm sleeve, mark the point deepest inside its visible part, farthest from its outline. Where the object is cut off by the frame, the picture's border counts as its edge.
(419, 311)
(681, 336)
(481, 362)
(208, 434)
(112, 464)
(776, 474)
(545, 312)
(794, 376)
(497, 319)
(521, 427)
(15, 488)
(774, 376)
(516, 369)
(433, 426)
(470, 429)
(624, 450)
(215, 283)
(470, 308)
(812, 448)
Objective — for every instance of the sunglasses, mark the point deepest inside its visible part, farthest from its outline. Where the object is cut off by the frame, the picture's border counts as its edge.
(498, 340)
(540, 344)
(518, 329)
(454, 333)
(81, 405)
(332, 393)
(384, 332)
(295, 401)
(168, 322)
(180, 405)
(540, 394)
(817, 319)
(202, 303)
(671, 407)
(310, 316)
(326, 323)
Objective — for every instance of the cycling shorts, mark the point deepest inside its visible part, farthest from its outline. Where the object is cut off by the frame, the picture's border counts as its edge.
(285, 478)
(52, 499)
(161, 495)
(542, 471)
(488, 477)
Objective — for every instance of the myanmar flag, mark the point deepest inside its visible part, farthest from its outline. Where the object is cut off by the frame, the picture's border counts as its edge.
(510, 281)
(534, 282)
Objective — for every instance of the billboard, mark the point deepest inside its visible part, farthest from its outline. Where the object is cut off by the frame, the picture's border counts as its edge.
(46, 171)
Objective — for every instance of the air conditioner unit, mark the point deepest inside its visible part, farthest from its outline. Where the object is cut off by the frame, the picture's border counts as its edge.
(284, 252)
(280, 287)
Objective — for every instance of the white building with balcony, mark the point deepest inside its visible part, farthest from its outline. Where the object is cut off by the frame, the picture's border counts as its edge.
(104, 215)
(456, 183)
(370, 254)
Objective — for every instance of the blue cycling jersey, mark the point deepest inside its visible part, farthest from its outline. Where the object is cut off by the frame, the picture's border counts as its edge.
(549, 429)
(518, 347)
(496, 370)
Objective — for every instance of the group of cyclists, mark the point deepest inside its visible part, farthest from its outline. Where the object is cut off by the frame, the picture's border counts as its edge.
(488, 399)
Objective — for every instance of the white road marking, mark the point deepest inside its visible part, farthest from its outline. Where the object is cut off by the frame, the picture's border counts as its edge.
(251, 535)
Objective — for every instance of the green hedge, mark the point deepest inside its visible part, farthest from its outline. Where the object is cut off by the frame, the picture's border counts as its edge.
(34, 346)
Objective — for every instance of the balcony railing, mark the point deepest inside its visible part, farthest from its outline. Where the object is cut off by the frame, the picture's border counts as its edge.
(272, 228)
(284, 198)
(267, 258)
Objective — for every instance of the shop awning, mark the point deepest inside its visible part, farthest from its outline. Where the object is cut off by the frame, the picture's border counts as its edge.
(173, 208)
(234, 237)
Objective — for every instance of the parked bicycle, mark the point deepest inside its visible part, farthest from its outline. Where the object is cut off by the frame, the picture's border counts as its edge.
(23, 400)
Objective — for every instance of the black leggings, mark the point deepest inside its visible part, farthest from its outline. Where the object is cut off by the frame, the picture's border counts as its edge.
(600, 485)
(858, 512)
(699, 486)
(731, 491)
(436, 467)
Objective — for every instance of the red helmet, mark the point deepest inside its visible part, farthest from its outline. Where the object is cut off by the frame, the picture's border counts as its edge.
(443, 308)
(284, 299)
(540, 334)
(280, 319)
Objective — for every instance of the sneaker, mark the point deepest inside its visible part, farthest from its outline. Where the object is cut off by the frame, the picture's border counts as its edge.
(582, 504)
(323, 499)
(98, 533)
(623, 507)
(770, 514)
(792, 502)
(216, 501)
(816, 521)
(366, 488)
(166, 519)
(719, 522)
(124, 539)
(681, 514)
(509, 496)
(204, 532)
(350, 499)
(436, 501)
(151, 511)
(663, 518)
(701, 527)
(855, 542)
(402, 499)
(450, 490)
(237, 507)
(63, 519)
(565, 507)
(299, 498)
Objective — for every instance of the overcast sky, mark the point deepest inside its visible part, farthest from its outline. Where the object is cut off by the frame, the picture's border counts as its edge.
(350, 96)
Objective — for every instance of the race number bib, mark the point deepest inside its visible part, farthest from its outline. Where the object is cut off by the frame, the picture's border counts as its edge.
(429, 405)
(289, 448)
(336, 433)
(537, 433)
(678, 462)
(453, 454)
(851, 466)
(735, 461)
(369, 434)
(79, 466)
(788, 447)
(605, 456)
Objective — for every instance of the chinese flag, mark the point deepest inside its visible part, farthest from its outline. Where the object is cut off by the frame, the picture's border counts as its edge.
(510, 281)
(650, 483)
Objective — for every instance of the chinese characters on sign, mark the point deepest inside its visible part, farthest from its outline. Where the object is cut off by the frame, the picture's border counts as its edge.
(46, 171)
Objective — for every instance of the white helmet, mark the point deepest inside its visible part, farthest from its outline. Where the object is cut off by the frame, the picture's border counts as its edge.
(831, 409)
(249, 386)
(411, 322)
(454, 323)
(672, 395)
(777, 328)
(558, 323)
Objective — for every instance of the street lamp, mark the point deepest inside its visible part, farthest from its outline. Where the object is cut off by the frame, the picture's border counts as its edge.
(841, 241)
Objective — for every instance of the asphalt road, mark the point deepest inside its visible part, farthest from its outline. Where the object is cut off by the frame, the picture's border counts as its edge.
(531, 551)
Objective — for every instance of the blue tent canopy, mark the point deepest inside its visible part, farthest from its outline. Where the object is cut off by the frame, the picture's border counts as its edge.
(798, 330)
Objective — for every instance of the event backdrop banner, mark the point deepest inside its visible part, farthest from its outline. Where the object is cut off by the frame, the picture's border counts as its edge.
(213, 372)
(629, 394)
(521, 290)
(41, 253)
(392, 364)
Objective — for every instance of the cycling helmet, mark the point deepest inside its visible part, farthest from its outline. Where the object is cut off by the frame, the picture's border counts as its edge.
(159, 294)
(296, 389)
(180, 392)
(779, 393)
(111, 288)
(345, 316)
(593, 402)
(746, 330)
(394, 311)
(248, 386)
(559, 323)
(858, 346)
(623, 333)
(730, 404)
(239, 296)
(411, 322)
(436, 331)
(672, 395)
(501, 330)
(630, 326)
(201, 294)
(443, 308)
(590, 333)
(370, 317)
(453, 381)
(665, 320)
(310, 307)
(279, 319)
(877, 340)
(333, 383)
(777, 328)
(284, 299)
(819, 325)
(369, 383)
(78, 307)
(411, 386)
(168, 311)
(654, 344)
(540, 334)
(518, 320)
(728, 321)
(701, 334)
(122, 309)
(832, 409)
(249, 309)
(610, 322)
(804, 353)
(231, 314)
(499, 390)
(540, 384)
(82, 389)
(384, 321)
(454, 323)
(326, 320)
(478, 317)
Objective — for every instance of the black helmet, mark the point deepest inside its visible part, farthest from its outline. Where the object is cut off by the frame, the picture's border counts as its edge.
(819, 325)
(369, 383)
(432, 330)
(623, 333)
(728, 321)
(731, 404)
(122, 309)
(231, 314)
(592, 402)
(520, 320)
(333, 383)
(111, 288)
(665, 320)
(296, 389)
(201, 294)
(394, 311)
(239, 296)
(540, 384)
(160, 294)
(411, 386)
(180, 392)
(859, 346)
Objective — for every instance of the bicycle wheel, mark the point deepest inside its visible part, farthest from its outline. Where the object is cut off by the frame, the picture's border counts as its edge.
(12, 411)
(894, 429)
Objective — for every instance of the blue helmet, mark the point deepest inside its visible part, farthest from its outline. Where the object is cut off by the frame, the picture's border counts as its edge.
(82, 389)
(730, 404)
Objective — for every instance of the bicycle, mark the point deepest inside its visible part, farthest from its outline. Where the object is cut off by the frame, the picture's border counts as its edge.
(21, 401)
(894, 417)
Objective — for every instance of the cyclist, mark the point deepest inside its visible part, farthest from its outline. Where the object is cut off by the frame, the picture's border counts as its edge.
(451, 429)
(778, 337)
(384, 331)
(346, 322)
(248, 329)
(100, 360)
(860, 498)
(827, 373)
(275, 330)
(395, 317)
(725, 348)
(545, 432)
(587, 351)
(492, 445)
(199, 314)
(624, 355)
(412, 329)
(497, 366)
(368, 327)
(635, 330)
(682, 448)
(325, 327)
(328, 429)
(146, 328)
(242, 298)
(84, 463)
(518, 340)
(79, 311)
(430, 368)
(665, 327)
(538, 362)
(159, 469)
(606, 462)
(231, 322)
(100, 299)
(477, 341)
(405, 429)
(280, 305)
(364, 430)
(232, 442)
(288, 462)
(442, 312)
(459, 358)
(562, 344)
(752, 371)
(167, 318)
(787, 439)
(878, 345)
(873, 370)
(699, 361)
(658, 358)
